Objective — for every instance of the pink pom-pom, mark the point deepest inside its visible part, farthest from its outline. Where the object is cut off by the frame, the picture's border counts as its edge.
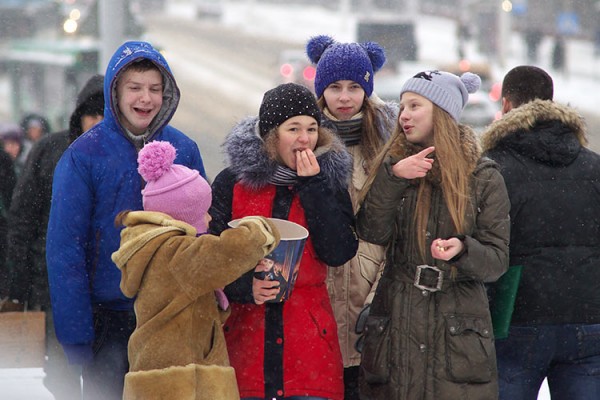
(155, 159)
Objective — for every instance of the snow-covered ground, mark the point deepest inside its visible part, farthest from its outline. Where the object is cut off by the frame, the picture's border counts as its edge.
(580, 87)
(23, 384)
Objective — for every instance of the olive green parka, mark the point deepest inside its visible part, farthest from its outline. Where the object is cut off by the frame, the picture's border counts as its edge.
(423, 343)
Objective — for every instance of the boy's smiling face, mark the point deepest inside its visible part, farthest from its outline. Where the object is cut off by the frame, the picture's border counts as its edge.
(140, 96)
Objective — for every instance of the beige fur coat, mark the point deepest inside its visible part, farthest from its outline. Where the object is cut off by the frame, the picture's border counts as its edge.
(177, 350)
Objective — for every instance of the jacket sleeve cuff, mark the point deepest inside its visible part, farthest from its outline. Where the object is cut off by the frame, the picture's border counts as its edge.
(240, 290)
(462, 238)
(79, 354)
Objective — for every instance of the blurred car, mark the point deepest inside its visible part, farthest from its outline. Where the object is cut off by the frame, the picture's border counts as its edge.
(295, 67)
(484, 70)
(483, 106)
(209, 9)
(480, 111)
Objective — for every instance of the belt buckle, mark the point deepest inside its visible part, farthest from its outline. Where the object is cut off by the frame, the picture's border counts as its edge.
(440, 278)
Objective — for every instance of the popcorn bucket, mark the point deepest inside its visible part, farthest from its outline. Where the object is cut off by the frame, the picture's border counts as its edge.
(283, 263)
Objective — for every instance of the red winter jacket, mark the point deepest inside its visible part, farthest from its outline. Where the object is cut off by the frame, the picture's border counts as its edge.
(312, 362)
(289, 348)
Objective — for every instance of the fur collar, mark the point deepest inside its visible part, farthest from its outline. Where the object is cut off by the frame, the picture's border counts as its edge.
(143, 227)
(524, 119)
(249, 161)
(388, 115)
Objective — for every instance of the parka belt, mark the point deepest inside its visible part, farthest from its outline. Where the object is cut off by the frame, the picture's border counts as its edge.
(427, 277)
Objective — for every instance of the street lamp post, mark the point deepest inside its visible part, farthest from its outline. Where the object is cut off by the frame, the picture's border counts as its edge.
(112, 29)
(504, 31)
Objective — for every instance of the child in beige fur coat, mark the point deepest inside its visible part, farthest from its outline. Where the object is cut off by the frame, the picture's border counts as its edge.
(177, 350)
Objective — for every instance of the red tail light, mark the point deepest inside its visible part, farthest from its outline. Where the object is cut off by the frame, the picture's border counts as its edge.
(309, 73)
(496, 91)
(286, 70)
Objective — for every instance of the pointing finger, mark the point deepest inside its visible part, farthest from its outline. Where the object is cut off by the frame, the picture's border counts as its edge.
(426, 152)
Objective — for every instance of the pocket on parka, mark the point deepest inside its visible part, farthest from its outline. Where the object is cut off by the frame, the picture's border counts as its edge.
(376, 352)
(218, 346)
(369, 267)
(325, 324)
(469, 349)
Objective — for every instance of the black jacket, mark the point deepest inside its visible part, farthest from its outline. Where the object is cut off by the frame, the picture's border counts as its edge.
(553, 183)
(30, 209)
(7, 184)
(28, 221)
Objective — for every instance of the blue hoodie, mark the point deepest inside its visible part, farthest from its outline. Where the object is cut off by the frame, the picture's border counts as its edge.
(95, 179)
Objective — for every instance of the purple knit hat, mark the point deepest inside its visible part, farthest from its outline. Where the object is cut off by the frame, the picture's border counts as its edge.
(171, 188)
(336, 61)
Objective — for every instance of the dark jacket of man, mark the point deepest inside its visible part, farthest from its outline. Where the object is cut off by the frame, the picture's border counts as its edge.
(28, 217)
(7, 184)
(553, 183)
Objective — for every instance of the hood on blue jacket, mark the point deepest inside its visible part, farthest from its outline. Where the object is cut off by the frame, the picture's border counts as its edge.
(128, 53)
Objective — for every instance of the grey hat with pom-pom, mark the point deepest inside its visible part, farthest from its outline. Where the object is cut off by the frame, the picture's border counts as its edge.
(335, 61)
(444, 89)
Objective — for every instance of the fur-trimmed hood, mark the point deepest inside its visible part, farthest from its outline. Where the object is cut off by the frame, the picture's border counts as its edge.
(387, 112)
(545, 130)
(249, 160)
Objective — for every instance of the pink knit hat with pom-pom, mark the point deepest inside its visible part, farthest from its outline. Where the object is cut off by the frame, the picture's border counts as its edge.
(171, 188)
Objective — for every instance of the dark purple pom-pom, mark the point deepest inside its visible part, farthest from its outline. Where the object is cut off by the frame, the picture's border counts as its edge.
(317, 45)
(376, 54)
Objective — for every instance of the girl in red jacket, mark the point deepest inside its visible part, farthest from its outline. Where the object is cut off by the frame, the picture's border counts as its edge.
(283, 164)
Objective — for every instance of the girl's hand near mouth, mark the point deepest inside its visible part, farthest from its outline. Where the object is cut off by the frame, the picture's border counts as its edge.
(306, 163)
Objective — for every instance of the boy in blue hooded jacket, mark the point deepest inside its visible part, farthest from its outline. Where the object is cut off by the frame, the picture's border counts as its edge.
(95, 179)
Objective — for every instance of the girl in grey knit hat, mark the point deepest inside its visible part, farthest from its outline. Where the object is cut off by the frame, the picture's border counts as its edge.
(442, 211)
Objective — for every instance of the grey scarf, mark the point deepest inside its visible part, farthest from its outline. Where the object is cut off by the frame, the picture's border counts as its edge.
(283, 176)
(350, 131)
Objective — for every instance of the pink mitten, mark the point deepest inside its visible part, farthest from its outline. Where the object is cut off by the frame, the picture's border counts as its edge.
(222, 299)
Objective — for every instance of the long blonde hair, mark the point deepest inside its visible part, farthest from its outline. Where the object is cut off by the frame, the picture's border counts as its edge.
(455, 163)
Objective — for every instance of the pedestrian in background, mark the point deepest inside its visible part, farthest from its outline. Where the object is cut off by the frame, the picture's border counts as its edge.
(283, 164)
(559, 56)
(442, 211)
(95, 179)
(533, 37)
(34, 127)
(11, 138)
(178, 351)
(553, 183)
(344, 87)
(7, 184)
(28, 222)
